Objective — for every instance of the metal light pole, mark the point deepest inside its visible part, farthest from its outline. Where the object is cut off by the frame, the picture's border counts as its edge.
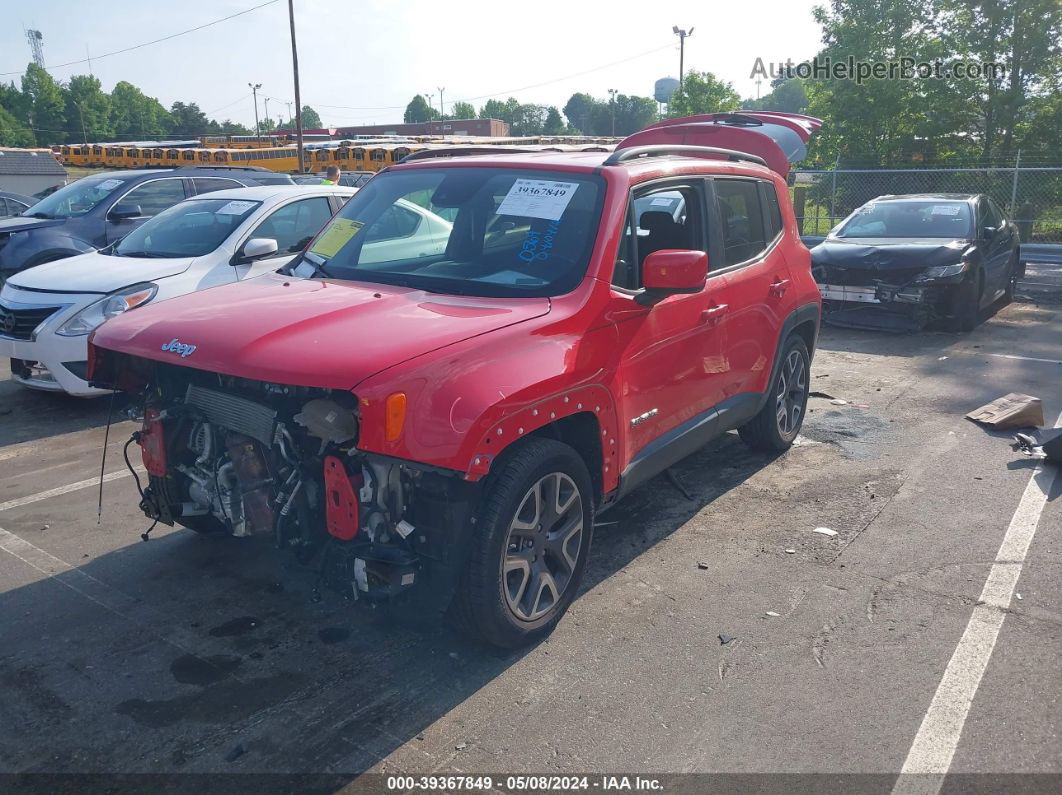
(266, 101)
(254, 92)
(442, 108)
(295, 73)
(612, 101)
(682, 34)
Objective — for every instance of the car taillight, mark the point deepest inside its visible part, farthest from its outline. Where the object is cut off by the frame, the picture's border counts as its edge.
(341, 495)
(153, 443)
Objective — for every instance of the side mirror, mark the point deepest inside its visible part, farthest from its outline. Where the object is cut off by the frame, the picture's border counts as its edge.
(257, 248)
(989, 232)
(123, 212)
(672, 272)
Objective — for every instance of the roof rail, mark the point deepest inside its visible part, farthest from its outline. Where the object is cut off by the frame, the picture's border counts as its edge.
(461, 151)
(660, 150)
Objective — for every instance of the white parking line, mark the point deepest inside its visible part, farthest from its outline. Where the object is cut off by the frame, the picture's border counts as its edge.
(1022, 358)
(934, 746)
(18, 502)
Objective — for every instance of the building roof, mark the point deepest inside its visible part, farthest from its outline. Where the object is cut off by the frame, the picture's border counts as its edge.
(30, 162)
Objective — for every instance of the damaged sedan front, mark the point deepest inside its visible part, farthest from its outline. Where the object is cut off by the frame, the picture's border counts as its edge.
(901, 262)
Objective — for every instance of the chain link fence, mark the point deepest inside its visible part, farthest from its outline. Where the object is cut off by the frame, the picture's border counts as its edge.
(1032, 197)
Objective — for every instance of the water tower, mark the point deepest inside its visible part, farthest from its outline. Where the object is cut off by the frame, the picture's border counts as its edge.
(664, 88)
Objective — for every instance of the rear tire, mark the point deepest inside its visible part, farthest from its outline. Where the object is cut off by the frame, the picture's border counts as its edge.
(533, 530)
(777, 424)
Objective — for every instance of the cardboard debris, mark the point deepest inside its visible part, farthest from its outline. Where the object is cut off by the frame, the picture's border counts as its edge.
(1011, 411)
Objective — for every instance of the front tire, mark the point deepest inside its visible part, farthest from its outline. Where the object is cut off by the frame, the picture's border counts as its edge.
(777, 424)
(533, 531)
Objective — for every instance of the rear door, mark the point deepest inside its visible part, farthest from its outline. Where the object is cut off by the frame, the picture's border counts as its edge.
(757, 278)
(997, 248)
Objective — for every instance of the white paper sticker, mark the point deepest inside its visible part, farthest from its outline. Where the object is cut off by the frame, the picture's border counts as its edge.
(235, 208)
(304, 269)
(537, 198)
(945, 209)
(661, 202)
(109, 184)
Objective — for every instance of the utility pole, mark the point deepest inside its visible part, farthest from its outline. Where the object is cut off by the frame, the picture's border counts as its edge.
(81, 113)
(612, 101)
(682, 34)
(442, 108)
(266, 101)
(290, 117)
(294, 70)
(254, 92)
(295, 73)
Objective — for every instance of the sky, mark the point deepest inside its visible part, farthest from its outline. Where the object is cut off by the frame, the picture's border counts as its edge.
(361, 61)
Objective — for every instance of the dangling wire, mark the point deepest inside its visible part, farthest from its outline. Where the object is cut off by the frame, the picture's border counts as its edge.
(103, 459)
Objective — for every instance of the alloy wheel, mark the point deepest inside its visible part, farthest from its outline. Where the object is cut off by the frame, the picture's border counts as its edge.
(542, 547)
(789, 398)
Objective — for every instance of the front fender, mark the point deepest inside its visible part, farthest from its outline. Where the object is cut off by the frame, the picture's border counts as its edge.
(27, 249)
(467, 403)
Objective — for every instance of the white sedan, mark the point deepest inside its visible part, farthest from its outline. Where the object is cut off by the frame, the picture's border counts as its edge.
(47, 312)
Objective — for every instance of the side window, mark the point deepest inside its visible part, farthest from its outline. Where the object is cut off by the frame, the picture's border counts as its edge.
(663, 218)
(742, 219)
(208, 184)
(995, 216)
(154, 197)
(293, 225)
(774, 212)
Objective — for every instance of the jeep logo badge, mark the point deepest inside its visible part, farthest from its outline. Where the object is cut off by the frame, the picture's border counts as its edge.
(181, 348)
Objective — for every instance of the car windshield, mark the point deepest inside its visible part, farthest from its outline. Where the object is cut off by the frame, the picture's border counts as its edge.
(76, 198)
(471, 231)
(945, 219)
(189, 229)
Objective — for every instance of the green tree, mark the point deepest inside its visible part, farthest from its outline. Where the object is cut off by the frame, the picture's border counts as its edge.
(417, 111)
(47, 107)
(462, 110)
(788, 96)
(633, 113)
(136, 116)
(579, 110)
(188, 120)
(493, 109)
(14, 132)
(702, 92)
(310, 119)
(88, 110)
(1025, 36)
(229, 127)
(554, 124)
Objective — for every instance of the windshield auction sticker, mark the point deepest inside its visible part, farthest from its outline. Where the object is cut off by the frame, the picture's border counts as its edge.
(335, 237)
(945, 209)
(537, 198)
(235, 208)
(109, 184)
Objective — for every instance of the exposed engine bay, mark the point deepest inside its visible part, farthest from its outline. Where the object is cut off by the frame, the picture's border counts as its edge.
(226, 455)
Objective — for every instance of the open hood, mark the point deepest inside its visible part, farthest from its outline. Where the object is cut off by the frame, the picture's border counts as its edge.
(779, 138)
(306, 332)
(97, 273)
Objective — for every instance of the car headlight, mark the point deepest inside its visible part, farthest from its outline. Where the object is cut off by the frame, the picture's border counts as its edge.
(943, 271)
(107, 307)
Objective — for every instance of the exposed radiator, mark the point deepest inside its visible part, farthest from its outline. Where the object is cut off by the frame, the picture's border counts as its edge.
(234, 413)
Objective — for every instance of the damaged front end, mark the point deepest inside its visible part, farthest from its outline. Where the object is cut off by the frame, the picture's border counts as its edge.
(895, 288)
(227, 455)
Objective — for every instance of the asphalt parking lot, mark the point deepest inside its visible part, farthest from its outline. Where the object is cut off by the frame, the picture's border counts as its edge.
(186, 654)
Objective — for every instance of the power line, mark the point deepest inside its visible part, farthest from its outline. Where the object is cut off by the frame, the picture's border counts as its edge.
(505, 92)
(154, 41)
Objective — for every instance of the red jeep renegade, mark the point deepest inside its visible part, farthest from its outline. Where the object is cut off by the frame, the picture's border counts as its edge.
(479, 354)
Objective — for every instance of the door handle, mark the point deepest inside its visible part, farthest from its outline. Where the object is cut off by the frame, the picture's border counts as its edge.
(713, 314)
(779, 286)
